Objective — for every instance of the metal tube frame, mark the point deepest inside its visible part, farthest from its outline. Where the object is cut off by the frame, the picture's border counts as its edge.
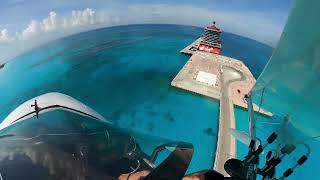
(252, 121)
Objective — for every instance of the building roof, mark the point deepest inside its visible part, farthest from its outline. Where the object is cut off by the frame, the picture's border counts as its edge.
(213, 27)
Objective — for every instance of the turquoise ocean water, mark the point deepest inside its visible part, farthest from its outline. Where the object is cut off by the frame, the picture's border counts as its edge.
(124, 73)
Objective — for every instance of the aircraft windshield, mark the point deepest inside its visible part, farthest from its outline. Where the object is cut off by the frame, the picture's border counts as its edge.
(289, 86)
(64, 145)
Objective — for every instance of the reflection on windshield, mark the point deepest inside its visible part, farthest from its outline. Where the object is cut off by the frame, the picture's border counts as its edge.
(64, 145)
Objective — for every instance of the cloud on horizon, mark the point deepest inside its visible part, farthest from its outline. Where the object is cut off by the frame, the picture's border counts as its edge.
(5, 37)
(254, 25)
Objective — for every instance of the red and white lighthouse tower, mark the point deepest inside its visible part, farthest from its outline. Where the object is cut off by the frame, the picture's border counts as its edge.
(211, 40)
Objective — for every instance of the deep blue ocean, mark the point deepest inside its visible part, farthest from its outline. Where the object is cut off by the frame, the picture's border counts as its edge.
(124, 73)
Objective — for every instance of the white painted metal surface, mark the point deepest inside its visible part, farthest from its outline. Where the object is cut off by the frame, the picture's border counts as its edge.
(207, 78)
(241, 136)
(49, 102)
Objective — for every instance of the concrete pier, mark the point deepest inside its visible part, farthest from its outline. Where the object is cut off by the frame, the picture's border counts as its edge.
(226, 146)
(192, 47)
(211, 63)
(233, 81)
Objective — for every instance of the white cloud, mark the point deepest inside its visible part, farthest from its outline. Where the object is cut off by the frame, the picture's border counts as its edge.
(54, 23)
(5, 37)
(80, 18)
(33, 29)
(255, 25)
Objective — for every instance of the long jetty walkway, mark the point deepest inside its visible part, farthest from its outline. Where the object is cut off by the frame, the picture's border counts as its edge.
(226, 147)
(233, 81)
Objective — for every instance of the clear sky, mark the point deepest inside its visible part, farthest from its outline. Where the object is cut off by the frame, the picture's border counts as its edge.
(28, 23)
